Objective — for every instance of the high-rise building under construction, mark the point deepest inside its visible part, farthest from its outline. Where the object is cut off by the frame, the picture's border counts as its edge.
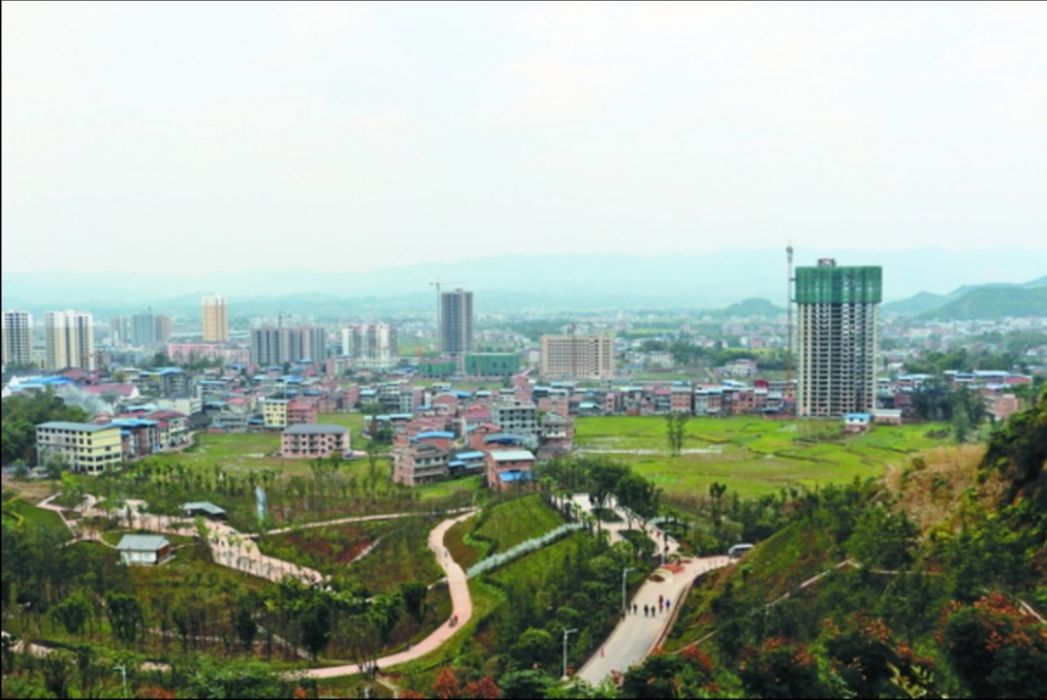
(836, 338)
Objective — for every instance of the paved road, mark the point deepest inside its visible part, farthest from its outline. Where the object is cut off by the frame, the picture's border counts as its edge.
(461, 604)
(636, 636)
(361, 519)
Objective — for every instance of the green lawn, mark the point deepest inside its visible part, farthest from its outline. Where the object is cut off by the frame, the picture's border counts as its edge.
(508, 524)
(753, 456)
(25, 512)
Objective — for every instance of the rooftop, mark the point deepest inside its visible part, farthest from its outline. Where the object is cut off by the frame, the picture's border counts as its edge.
(512, 455)
(315, 429)
(82, 427)
(142, 543)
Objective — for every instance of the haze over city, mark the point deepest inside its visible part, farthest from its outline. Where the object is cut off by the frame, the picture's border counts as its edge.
(349, 138)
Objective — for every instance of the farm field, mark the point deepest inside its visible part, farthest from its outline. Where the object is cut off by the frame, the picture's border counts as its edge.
(753, 456)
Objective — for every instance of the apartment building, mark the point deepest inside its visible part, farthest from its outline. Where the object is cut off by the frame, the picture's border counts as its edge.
(215, 319)
(273, 346)
(70, 340)
(17, 339)
(577, 356)
(370, 345)
(456, 322)
(86, 447)
(836, 338)
(420, 463)
(314, 440)
(274, 413)
(516, 418)
(509, 468)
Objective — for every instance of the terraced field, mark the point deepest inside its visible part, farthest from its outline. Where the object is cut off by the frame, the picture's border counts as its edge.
(753, 456)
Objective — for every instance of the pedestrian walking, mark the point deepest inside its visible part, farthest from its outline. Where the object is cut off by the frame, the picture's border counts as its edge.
(636, 609)
(645, 611)
(667, 605)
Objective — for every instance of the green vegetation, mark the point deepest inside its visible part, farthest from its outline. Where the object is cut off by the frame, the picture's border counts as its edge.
(752, 456)
(881, 605)
(22, 413)
(19, 511)
(500, 527)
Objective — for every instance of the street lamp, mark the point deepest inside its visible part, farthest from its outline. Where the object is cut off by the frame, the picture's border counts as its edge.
(625, 572)
(565, 634)
(123, 674)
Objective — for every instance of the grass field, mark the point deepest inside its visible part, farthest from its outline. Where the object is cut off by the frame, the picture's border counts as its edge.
(24, 512)
(753, 456)
(500, 528)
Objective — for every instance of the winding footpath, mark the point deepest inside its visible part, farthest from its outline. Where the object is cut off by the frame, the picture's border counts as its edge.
(461, 605)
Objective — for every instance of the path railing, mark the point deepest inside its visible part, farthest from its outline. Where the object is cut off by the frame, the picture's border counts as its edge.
(496, 560)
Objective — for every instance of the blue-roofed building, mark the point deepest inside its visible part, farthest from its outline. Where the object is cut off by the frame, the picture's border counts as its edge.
(857, 422)
(467, 462)
(508, 463)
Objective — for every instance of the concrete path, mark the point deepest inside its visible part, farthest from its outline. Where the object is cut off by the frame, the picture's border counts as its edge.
(461, 604)
(361, 519)
(635, 637)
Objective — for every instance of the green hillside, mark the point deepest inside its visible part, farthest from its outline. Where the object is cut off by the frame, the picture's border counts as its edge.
(992, 302)
(925, 585)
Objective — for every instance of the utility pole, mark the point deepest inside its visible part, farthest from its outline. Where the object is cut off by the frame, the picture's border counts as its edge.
(565, 634)
(625, 572)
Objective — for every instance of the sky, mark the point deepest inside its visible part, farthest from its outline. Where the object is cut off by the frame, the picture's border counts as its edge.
(208, 137)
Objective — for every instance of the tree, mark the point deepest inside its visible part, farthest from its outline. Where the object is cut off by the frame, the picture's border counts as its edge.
(780, 669)
(413, 594)
(72, 612)
(125, 616)
(525, 684)
(483, 689)
(536, 646)
(446, 685)
(883, 538)
(994, 650)
(57, 667)
(243, 621)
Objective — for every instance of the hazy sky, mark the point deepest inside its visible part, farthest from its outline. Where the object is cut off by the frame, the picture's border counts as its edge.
(209, 136)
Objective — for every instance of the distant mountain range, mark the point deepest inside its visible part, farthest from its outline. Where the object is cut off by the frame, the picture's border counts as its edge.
(976, 302)
(601, 282)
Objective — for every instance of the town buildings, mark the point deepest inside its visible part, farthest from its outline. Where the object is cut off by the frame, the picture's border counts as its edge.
(274, 346)
(17, 339)
(70, 340)
(314, 440)
(84, 447)
(215, 319)
(577, 356)
(836, 338)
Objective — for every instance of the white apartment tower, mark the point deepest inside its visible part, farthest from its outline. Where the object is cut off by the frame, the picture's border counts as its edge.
(577, 356)
(371, 345)
(216, 319)
(836, 338)
(70, 340)
(17, 341)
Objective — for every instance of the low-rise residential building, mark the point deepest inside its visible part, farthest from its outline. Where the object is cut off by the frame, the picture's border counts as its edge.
(301, 411)
(85, 447)
(857, 422)
(144, 550)
(420, 463)
(509, 468)
(516, 418)
(312, 440)
(274, 413)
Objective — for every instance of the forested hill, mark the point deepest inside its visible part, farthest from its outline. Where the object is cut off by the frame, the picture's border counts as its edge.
(928, 583)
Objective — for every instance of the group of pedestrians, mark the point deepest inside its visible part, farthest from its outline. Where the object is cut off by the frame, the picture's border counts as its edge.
(649, 610)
